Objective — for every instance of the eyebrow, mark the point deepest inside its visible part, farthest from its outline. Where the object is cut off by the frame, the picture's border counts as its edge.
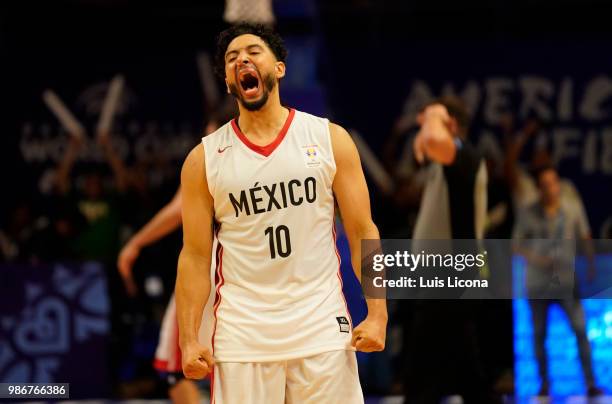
(249, 47)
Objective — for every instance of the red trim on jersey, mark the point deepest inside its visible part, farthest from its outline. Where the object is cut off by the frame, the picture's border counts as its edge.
(269, 148)
(160, 365)
(348, 313)
(212, 386)
(219, 281)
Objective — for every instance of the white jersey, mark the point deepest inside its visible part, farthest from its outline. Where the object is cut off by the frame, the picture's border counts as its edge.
(278, 284)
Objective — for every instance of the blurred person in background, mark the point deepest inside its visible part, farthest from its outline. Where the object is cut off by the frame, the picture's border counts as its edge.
(442, 340)
(97, 204)
(455, 190)
(525, 191)
(554, 217)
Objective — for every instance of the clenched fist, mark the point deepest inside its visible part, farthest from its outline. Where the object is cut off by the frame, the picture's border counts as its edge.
(369, 336)
(197, 361)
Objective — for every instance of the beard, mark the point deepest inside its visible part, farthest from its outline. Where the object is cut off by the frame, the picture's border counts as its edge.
(268, 84)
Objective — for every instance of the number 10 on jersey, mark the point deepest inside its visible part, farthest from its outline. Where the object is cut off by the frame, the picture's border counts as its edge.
(280, 242)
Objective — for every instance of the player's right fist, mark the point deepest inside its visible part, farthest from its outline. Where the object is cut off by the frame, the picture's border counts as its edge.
(197, 361)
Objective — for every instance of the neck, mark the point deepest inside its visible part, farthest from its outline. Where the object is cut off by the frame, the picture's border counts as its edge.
(551, 207)
(266, 122)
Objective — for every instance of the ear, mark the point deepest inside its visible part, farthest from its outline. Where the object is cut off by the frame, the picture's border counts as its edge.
(227, 86)
(279, 68)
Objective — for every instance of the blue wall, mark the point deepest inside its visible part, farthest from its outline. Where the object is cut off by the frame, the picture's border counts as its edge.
(566, 377)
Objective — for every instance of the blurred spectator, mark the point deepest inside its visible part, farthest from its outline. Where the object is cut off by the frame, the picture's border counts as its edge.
(454, 199)
(554, 217)
(96, 204)
(525, 191)
(442, 341)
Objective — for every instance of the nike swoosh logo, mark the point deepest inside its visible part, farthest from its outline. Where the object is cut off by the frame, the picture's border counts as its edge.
(219, 150)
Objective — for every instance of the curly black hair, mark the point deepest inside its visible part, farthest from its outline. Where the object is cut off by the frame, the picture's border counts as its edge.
(268, 35)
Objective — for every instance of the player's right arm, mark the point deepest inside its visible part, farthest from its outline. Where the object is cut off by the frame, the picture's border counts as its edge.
(193, 275)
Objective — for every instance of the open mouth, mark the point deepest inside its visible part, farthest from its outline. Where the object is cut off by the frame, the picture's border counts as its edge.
(249, 83)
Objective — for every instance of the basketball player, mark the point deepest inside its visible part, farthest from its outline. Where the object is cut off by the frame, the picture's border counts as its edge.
(267, 182)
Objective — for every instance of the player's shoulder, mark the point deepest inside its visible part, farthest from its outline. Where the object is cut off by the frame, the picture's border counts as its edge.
(342, 144)
(217, 140)
(194, 159)
(340, 137)
(338, 130)
(193, 172)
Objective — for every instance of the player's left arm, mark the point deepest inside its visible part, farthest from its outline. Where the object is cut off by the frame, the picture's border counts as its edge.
(351, 192)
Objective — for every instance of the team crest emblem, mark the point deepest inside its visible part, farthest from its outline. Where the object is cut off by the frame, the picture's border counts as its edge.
(311, 155)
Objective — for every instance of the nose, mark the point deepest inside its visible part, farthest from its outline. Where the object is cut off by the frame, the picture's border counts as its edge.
(243, 59)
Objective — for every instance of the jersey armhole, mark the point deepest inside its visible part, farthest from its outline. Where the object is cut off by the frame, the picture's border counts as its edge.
(208, 168)
(332, 159)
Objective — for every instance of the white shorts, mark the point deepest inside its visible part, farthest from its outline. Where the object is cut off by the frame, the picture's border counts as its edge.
(329, 377)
